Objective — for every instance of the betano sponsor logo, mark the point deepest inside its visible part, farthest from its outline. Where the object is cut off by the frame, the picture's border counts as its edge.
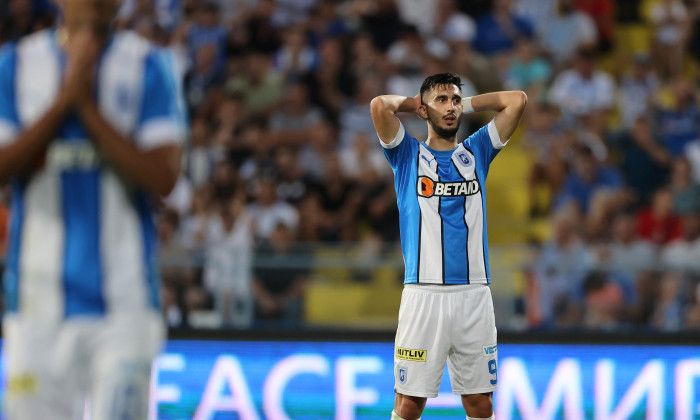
(412, 355)
(429, 188)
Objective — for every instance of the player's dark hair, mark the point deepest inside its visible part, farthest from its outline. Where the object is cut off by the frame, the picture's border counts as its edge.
(440, 79)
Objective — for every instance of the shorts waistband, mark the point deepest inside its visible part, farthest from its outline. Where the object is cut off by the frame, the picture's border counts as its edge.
(441, 288)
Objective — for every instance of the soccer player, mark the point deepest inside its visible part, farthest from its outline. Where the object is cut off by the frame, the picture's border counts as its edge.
(446, 311)
(90, 127)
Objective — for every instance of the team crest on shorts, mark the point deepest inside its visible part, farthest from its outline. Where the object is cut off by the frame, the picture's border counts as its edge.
(403, 374)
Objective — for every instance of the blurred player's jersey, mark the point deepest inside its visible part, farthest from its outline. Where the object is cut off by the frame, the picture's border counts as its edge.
(82, 238)
(442, 207)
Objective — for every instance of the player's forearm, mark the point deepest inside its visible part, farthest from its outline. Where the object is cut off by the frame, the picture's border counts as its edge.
(498, 101)
(154, 172)
(19, 156)
(393, 104)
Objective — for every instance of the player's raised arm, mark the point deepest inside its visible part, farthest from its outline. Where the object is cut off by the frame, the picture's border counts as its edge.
(384, 109)
(21, 147)
(510, 106)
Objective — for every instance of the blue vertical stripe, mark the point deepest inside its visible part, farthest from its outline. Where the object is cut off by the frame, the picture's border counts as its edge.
(12, 275)
(150, 254)
(82, 266)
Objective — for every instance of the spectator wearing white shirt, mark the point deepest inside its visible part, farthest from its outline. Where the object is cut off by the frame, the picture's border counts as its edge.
(636, 90)
(584, 90)
(670, 19)
(562, 35)
(268, 211)
(682, 254)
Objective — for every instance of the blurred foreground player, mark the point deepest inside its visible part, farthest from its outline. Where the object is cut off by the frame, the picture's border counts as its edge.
(446, 311)
(90, 126)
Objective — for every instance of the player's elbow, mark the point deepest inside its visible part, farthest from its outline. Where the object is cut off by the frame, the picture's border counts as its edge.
(519, 99)
(377, 105)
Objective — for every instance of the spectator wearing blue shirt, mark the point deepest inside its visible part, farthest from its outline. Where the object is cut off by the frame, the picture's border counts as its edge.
(497, 30)
(587, 179)
(678, 125)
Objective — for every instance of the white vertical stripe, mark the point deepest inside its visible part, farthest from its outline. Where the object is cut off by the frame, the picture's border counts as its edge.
(474, 219)
(121, 81)
(430, 269)
(41, 254)
(38, 77)
(124, 271)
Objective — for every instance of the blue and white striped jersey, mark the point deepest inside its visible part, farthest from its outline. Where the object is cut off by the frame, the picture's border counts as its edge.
(442, 206)
(82, 238)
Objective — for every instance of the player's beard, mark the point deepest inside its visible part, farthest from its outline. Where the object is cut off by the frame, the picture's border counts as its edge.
(442, 132)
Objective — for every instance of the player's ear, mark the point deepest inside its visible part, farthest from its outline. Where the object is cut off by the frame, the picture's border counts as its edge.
(423, 111)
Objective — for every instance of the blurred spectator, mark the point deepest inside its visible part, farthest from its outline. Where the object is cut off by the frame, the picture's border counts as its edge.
(686, 192)
(200, 157)
(228, 266)
(603, 14)
(451, 24)
(292, 12)
(296, 57)
(645, 163)
(355, 117)
(692, 153)
(165, 13)
(334, 79)
(293, 123)
(588, 179)
(584, 89)
(678, 122)
(333, 206)
(260, 86)
(603, 301)
(567, 32)
(636, 90)
(381, 19)
(527, 70)
(559, 274)
(658, 223)
(327, 23)
(497, 31)
(545, 141)
(627, 253)
(292, 183)
(667, 315)
(536, 11)
(269, 210)
(670, 19)
(206, 76)
(683, 252)
(321, 146)
(280, 278)
(361, 157)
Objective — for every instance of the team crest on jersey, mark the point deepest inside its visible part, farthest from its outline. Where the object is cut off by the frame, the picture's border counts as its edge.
(428, 188)
(464, 158)
(403, 375)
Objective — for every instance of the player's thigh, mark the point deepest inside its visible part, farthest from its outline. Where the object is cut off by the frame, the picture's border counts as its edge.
(473, 361)
(422, 342)
(41, 374)
(122, 356)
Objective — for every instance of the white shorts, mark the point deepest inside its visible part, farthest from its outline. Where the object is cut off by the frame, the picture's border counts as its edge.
(438, 324)
(53, 367)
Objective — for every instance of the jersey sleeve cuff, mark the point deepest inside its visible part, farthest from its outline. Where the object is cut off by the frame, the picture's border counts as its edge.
(397, 139)
(160, 132)
(495, 138)
(8, 132)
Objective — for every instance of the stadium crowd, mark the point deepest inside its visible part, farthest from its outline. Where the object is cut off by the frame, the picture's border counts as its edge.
(282, 151)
